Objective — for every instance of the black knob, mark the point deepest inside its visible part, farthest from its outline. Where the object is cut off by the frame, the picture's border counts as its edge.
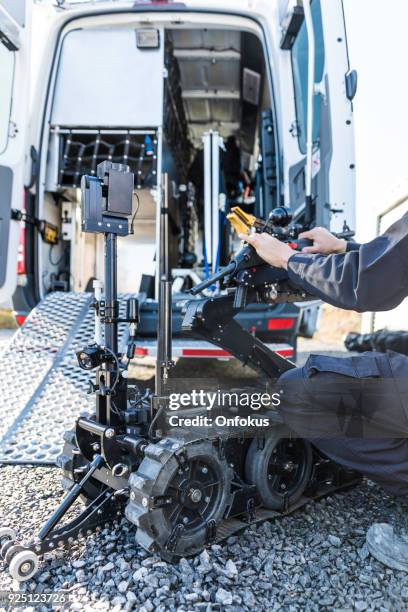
(280, 216)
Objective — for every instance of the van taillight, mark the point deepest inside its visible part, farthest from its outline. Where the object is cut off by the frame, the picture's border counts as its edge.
(280, 323)
(21, 269)
(20, 319)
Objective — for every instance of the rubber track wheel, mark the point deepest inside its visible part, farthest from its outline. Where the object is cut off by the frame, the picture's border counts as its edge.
(256, 470)
(153, 529)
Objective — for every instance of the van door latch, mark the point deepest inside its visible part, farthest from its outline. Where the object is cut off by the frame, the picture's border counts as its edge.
(49, 232)
(13, 129)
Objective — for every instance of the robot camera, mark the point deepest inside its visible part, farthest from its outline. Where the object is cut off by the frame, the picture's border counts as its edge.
(91, 357)
(107, 199)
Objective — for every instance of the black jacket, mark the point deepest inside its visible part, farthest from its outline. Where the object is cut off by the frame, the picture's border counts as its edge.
(368, 277)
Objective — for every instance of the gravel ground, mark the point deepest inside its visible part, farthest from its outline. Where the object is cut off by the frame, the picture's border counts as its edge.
(315, 559)
(5, 337)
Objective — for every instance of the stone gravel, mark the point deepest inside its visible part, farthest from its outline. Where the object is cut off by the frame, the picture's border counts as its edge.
(315, 559)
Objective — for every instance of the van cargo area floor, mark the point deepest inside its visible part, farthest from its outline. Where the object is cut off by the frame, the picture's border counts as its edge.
(42, 389)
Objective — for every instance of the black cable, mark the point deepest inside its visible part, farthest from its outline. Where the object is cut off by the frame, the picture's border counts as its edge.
(55, 263)
(115, 408)
(156, 416)
(136, 211)
(117, 371)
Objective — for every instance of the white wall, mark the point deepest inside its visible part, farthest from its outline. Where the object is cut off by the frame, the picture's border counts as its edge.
(396, 318)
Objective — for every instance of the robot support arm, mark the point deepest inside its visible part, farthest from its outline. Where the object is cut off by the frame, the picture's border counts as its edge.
(212, 319)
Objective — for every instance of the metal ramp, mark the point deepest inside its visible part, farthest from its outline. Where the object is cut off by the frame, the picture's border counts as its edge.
(42, 389)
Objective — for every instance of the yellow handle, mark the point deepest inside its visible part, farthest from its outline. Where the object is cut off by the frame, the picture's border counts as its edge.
(241, 221)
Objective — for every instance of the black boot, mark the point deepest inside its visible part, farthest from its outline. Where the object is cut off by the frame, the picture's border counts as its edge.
(388, 546)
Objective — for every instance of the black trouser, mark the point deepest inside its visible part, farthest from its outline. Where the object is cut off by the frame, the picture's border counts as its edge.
(354, 410)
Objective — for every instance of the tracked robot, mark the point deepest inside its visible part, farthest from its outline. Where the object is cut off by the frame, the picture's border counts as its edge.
(181, 489)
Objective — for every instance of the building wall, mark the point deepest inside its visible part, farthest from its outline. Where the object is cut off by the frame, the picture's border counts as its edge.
(398, 317)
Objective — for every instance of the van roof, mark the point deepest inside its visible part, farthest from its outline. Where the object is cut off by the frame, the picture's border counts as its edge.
(214, 4)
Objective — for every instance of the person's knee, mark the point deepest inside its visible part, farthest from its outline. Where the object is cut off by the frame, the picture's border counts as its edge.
(292, 374)
(300, 406)
(290, 386)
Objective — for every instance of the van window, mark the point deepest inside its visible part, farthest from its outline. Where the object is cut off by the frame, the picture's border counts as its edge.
(6, 91)
(299, 67)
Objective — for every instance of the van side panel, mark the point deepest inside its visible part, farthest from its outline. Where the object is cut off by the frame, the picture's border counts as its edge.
(6, 182)
(13, 157)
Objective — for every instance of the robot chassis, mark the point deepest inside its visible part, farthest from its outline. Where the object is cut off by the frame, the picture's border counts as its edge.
(182, 491)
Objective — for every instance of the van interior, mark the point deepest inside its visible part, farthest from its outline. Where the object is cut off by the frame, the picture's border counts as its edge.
(149, 98)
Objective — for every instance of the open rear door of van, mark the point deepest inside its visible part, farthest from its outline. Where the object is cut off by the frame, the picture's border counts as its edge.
(337, 125)
(15, 34)
(332, 167)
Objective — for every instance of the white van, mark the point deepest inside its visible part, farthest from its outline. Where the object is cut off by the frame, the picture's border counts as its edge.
(177, 88)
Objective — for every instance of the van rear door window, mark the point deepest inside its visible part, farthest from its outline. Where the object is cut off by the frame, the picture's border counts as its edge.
(300, 58)
(6, 92)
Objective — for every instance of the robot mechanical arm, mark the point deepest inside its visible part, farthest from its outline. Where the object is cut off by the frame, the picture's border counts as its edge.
(247, 279)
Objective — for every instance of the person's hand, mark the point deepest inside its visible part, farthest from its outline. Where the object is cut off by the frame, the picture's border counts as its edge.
(323, 242)
(270, 249)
